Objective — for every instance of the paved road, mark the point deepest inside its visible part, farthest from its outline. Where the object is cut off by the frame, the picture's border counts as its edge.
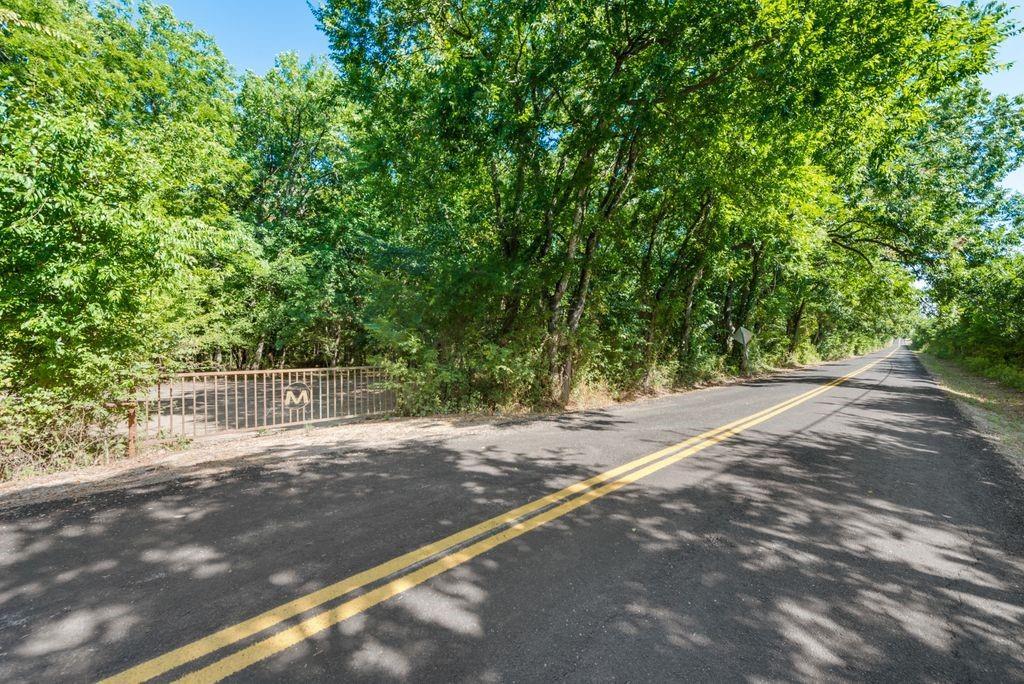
(857, 532)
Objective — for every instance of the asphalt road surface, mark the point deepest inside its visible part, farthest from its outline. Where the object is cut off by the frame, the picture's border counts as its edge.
(834, 523)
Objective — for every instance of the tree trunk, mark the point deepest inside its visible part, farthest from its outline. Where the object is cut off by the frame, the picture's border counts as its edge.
(752, 291)
(652, 350)
(257, 356)
(687, 334)
(579, 301)
(554, 338)
(793, 327)
(819, 334)
(567, 371)
(727, 323)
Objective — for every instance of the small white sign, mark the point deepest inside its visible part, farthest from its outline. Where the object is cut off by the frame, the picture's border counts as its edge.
(743, 336)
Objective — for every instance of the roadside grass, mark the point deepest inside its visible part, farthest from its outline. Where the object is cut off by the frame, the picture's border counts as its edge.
(590, 394)
(996, 408)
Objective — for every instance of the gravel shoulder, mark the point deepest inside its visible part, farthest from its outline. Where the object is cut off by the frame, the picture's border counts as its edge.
(212, 456)
(995, 410)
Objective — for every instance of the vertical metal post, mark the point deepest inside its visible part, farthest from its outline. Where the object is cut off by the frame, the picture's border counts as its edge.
(132, 429)
(182, 427)
(206, 407)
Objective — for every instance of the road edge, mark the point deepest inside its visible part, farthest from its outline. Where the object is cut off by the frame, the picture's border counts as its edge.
(219, 457)
(980, 419)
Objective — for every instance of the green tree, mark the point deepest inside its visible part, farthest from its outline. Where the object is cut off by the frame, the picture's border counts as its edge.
(518, 148)
(115, 143)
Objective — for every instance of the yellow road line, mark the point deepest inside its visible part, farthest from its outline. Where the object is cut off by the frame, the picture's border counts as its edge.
(307, 628)
(230, 635)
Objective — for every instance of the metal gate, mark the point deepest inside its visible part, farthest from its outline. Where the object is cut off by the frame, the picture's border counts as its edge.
(196, 404)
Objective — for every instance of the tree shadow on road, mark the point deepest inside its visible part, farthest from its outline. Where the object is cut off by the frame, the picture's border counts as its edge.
(889, 549)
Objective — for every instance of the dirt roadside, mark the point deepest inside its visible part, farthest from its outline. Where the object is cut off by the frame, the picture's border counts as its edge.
(215, 455)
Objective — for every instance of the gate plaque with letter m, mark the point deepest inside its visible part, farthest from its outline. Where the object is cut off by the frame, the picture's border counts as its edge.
(296, 396)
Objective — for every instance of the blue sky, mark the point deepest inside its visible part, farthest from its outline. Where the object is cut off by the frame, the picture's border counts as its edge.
(1011, 82)
(252, 32)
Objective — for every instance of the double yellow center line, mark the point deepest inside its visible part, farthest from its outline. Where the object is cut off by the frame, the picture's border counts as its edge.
(454, 550)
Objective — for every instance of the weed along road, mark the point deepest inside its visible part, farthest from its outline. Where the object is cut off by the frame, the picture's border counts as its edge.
(835, 522)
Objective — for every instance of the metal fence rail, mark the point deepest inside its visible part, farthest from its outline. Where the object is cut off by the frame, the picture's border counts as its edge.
(196, 404)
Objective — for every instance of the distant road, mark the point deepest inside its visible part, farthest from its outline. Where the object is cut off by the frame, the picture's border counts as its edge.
(834, 523)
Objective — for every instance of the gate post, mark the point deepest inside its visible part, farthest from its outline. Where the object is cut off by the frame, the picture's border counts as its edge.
(132, 429)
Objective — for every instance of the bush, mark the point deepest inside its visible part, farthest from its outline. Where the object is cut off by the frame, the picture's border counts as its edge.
(996, 370)
(47, 432)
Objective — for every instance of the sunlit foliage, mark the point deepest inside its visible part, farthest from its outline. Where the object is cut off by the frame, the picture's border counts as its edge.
(504, 201)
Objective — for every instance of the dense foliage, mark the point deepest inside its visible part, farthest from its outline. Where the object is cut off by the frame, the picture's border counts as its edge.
(976, 298)
(504, 201)
(979, 315)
